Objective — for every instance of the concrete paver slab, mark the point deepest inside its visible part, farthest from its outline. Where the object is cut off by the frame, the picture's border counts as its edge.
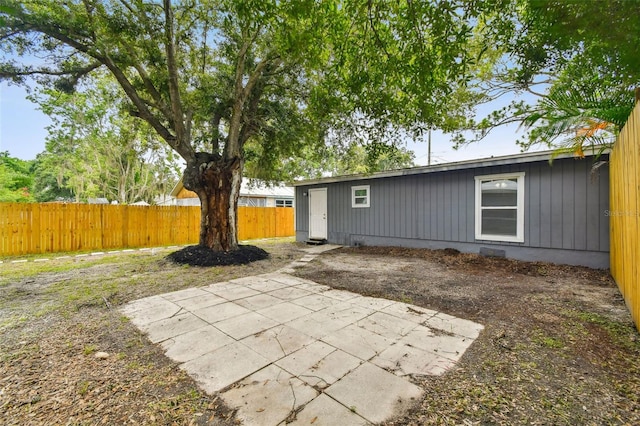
(403, 359)
(304, 359)
(313, 287)
(184, 294)
(409, 312)
(219, 286)
(315, 302)
(277, 342)
(272, 342)
(290, 293)
(318, 324)
(347, 312)
(214, 314)
(330, 369)
(268, 397)
(449, 346)
(234, 293)
(285, 279)
(358, 341)
(371, 302)
(387, 325)
(320, 249)
(451, 324)
(325, 411)
(151, 309)
(284, 312)
(259, 301)
(245, 325)
(193, 344)
(374, 393)
(173, 326)
(216, 370)
(340, 294)
(199, 302)
(266, 285)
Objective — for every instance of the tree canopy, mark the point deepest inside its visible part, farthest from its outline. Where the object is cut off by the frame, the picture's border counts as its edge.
(578, 58)
(94, 149)
(15, 179)
(218, 80)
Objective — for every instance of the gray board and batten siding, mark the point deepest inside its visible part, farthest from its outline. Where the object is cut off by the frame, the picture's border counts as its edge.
(565, 209)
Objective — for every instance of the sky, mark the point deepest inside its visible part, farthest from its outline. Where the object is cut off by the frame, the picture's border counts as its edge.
(23, 133)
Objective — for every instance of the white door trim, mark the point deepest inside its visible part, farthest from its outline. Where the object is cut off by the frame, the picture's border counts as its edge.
(318, 214)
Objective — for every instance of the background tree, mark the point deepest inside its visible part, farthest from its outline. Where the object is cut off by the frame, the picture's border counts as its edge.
(96, 149)
(15, 179)
(213, 77)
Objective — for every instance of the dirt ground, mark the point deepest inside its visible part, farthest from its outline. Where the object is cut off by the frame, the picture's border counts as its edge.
(558, 346)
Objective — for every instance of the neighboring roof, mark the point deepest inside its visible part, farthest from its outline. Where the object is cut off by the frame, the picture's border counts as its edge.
(97, 201)
(528, 157)
(251, 188)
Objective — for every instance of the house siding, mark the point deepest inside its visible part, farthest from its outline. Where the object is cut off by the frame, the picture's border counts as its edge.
(564, 212)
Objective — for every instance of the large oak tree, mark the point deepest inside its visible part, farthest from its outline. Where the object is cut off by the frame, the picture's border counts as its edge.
(220, 79)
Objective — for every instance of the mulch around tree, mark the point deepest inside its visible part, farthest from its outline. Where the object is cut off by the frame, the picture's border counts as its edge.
(204, 256)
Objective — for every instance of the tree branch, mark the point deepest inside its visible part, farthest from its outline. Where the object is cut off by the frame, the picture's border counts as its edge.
(46, 71)
(174, 88)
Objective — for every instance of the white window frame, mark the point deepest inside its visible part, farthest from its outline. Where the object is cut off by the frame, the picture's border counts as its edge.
(366, 197)
(519, 237)
(286, 202)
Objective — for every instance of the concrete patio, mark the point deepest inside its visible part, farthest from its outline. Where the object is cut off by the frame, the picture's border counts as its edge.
(281, 349)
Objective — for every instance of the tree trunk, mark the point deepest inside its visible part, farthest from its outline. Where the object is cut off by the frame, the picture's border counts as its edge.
(217, 183)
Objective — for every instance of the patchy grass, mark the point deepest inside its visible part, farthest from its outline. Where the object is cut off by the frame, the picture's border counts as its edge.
(55, 315)
(558, 345)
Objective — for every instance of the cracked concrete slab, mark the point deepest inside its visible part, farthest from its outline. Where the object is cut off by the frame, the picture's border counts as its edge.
(223, 367)
(201, 301)
(181, 348)
(173, 326)
(282, 349)
(374, 393)
(277, 342)
(325, 411)
(270, 396)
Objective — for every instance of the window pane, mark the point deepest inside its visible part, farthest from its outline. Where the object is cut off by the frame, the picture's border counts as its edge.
(500, 192)
(361, 192)
(361, 200)
(499, 222)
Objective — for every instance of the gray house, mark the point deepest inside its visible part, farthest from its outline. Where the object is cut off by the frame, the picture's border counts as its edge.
(517, 206)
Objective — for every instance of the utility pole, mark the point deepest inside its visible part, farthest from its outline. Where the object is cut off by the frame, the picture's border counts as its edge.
(429, 148)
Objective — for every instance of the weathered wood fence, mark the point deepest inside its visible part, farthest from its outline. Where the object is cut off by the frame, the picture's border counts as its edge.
(624, 213)
(55, 227)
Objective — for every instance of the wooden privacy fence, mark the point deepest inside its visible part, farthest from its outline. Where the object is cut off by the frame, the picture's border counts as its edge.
(624, 213)
(48, 228)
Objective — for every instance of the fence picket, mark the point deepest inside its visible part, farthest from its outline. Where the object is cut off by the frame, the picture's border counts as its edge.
(55, 227)
(624, 209)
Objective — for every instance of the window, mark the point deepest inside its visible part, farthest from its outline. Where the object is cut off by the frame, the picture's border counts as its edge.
(500, 207)
(360, 196)
(284, 203)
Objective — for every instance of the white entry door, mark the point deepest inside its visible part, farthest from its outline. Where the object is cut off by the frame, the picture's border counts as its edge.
(318, 214)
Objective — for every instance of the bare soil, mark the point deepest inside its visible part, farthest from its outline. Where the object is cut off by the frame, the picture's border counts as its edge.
(558, 346)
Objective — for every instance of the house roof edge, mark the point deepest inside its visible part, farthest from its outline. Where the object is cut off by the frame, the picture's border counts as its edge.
(527, 157)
